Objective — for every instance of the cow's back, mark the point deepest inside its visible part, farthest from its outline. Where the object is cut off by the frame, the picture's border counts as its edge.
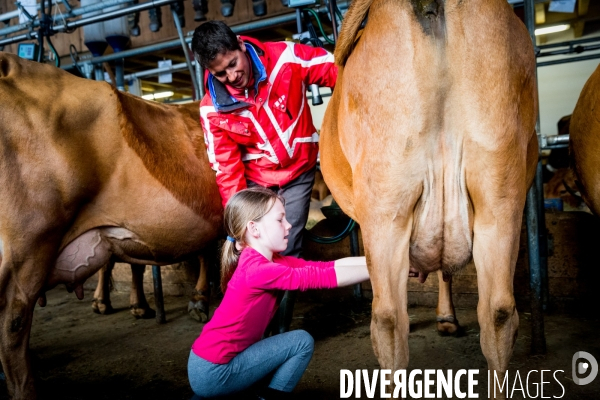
(433, 97)
(585, 141)
(77, 155)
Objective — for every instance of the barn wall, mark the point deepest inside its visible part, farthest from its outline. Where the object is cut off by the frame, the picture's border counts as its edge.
(559, 88)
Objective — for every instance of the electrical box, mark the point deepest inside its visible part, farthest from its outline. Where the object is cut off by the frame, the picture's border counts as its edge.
(28, 51)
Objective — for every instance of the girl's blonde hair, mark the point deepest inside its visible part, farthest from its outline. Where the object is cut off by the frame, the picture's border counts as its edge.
(244, 206)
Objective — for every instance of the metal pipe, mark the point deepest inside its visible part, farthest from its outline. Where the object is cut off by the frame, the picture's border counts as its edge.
(241, 28)
(119, 74)
(112, 14)
(132, 52)
(93, 19)
(186, 52)
(569, 43)
(98, 72)
(299, 28)
(542, 235)
(556, 146)
(158, 295)
(15, 13)
(157, 71)
(535, 222)
(557, 139)
(280, 19)
(200, 78)
(538, 341)
(519, 3)
(530, 19)
(568, 60)
(571, 50)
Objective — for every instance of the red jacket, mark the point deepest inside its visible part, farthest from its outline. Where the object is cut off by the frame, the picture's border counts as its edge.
(272, 141)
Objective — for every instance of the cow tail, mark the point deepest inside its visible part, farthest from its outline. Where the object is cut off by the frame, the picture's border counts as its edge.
(352, 21)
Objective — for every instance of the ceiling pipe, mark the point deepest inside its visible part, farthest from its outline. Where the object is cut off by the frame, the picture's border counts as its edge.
(186, 52)
(90, 20)
(171, 44)
(74, 13)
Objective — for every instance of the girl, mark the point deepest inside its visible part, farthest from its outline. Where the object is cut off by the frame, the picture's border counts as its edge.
(229, 356)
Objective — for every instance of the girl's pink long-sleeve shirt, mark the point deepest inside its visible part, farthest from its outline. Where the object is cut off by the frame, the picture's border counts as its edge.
(251, 301)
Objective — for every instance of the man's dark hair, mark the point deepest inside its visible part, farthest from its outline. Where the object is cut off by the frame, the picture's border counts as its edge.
(211, 39)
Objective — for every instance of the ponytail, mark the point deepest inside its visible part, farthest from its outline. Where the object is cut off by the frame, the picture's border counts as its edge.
(244, 206)
(229, 261)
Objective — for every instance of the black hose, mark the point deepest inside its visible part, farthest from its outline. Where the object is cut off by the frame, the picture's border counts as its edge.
(334, 239)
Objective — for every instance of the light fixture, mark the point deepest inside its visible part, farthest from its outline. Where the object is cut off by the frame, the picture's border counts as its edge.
(551, 29)
(159, 95)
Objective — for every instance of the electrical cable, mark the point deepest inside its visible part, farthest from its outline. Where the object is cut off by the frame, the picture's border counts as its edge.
(314, 13)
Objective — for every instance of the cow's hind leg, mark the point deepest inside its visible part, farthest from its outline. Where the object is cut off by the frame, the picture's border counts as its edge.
(447, 324)
(199, 303)
(138, 305)
(101, 303)
(22, 276)
(495, 249)
(387, 256)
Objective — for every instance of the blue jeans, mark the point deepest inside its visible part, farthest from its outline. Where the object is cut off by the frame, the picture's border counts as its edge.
(286, 356)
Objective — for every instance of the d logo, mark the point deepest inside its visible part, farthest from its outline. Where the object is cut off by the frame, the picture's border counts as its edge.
(583, 367)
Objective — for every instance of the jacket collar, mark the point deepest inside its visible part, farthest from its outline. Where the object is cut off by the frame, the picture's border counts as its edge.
(221, 98)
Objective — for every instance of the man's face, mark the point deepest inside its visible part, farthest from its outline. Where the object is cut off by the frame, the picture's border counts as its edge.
(232, 68)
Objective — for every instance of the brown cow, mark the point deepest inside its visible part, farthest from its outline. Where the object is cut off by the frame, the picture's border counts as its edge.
(429, 143)
(88, 173)
(585, 142)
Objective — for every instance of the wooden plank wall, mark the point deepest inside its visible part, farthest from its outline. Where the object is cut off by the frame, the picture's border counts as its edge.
(242, 14)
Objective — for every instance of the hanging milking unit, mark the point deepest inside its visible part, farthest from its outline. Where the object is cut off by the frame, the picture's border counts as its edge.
(117, 36)
(93, 35)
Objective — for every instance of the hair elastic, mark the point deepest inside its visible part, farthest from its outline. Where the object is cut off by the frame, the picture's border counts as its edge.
(232, 240)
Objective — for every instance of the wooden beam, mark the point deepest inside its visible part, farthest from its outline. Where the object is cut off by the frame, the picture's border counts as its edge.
(578, 28)
(540, 14)
(582, 7)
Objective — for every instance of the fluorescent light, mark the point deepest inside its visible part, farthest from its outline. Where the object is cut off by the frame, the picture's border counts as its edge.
(552, 29)
(159, 95)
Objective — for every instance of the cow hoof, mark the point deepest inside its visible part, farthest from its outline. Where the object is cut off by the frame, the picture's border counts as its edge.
(198, 311)
(141, 312)
(102, 307)
(448, 326)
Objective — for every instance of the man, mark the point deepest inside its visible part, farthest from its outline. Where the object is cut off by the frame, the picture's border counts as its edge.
(257, 124)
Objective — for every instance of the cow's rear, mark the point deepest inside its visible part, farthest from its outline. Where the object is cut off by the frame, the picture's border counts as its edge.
(429, 143)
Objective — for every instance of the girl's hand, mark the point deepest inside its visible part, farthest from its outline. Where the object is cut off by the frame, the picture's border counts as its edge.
(351, 270)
